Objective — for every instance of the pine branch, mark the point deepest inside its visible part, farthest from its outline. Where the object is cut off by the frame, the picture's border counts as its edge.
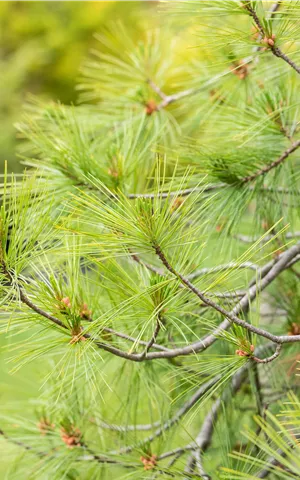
(258, 392)
(157, 90)
(290, 254)
(209, 188)
(186, 407)
(154, 336)
(23, 445)
(223, 267)
(200, 345)
(272, 12)
(274, 164)
(266, 238)
(204, 437)
(103, 459)
(133, 339)
(178, 193)
(26, 300)
(271, 358)
(274, 8)
(206, 270)
(149, 267)
(269, 41)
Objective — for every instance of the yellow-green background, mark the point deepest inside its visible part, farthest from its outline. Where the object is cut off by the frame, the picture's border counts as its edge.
(42, 45)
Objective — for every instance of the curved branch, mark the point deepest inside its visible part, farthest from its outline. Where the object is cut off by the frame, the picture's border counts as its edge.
(202, 344)
(268, 359)
(232, 315)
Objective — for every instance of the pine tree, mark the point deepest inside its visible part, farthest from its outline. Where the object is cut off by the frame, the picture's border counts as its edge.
(149, 276)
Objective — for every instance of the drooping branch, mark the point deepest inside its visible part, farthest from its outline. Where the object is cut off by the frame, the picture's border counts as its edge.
(232, 315)
(265, 279)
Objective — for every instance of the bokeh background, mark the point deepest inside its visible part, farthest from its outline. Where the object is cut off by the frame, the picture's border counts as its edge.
(43, 44)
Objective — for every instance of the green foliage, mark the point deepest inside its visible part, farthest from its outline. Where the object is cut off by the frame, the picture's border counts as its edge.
(278, 444)
(150, 251)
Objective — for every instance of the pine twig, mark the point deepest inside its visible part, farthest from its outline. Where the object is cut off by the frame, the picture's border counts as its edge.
(154, 336)
(177, 193)
(274, 164)
(186, 407)
(248, 239)
(268, 359)
(231, 316)
(202, 344)
(23, 445)
(272, 46)
(204, 437)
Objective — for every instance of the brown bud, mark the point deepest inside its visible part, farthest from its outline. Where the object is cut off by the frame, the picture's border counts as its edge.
(85, 312)
(294, 329)
(240, 69)
(66, 302)
(265, 225)
(113, 172)
(149, 462)
(177, 202)
(269, 40)
(151, 107)
(71, 437)
(241, 353)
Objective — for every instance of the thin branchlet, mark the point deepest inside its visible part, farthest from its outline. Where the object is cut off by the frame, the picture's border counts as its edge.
(231, 315)
(274, 164)
(264, 34)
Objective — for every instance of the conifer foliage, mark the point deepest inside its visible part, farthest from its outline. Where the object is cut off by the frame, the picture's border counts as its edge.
(149, 255)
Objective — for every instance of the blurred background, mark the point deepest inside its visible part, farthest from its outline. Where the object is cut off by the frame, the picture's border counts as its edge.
(42, 45)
